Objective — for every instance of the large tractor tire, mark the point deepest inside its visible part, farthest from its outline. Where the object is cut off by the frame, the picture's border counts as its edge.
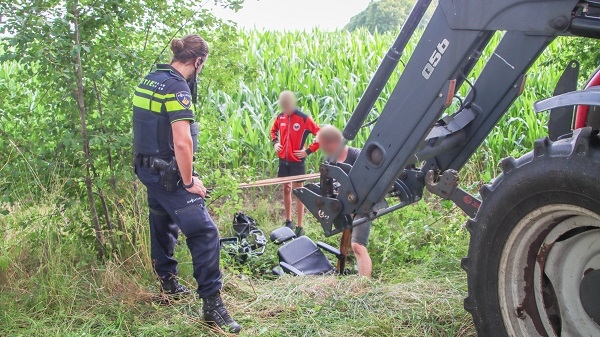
(533, 266)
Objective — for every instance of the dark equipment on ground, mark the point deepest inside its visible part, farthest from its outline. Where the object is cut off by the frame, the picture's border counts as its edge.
(248, 239)
(534, 250)
(301, 256)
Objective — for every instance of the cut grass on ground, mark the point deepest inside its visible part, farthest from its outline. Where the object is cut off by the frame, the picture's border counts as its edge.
(53, 284)
(290, 306)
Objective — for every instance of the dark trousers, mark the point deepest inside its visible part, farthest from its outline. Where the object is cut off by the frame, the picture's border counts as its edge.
(170, 212)
(290, 168)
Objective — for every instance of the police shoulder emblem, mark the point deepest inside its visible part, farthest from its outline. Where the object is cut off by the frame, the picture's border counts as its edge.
(184, 98)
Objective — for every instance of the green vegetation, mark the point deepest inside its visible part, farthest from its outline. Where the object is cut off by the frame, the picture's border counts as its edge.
(52, 285)
(384, 16)
(330, 71)
(74, 255)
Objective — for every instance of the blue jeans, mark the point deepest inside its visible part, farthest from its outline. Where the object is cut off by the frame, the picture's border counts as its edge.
(170, 212)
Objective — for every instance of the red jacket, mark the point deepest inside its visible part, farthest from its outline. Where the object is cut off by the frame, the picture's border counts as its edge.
(291, 132)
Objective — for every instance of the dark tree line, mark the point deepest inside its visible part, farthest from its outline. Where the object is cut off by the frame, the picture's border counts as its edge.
(385, 16)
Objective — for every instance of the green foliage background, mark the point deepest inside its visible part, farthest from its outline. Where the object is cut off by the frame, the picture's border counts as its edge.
(119, 43)
(50, 277)
(41, 143)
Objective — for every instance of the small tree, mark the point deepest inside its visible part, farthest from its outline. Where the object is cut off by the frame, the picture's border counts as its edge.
(81, 60)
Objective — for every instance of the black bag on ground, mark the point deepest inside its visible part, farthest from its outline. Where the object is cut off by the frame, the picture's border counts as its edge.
(249, 240)
(243, 224)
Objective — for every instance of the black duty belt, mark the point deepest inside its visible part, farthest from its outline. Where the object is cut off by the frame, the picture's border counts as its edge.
(142, 160)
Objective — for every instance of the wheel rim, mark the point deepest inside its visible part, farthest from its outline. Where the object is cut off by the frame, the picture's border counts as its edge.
(548, 273)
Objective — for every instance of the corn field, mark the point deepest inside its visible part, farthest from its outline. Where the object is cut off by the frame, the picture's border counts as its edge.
(329, 72)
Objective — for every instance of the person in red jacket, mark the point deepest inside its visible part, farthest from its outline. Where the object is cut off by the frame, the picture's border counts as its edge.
(288, 134)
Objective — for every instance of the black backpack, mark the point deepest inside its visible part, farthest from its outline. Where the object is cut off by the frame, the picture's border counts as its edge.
(248, 239)
(243, 225)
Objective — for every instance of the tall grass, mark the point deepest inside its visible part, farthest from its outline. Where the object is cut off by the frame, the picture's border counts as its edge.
(330, 70)
(51, 283)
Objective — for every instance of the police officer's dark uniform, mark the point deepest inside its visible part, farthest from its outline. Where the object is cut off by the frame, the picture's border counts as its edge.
(163, 98)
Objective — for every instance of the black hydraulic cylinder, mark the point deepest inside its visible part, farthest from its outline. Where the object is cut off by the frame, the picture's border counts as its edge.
(385, 69)
(452, 141)
(586, 27)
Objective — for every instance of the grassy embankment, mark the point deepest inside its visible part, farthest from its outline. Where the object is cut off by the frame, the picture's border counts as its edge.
(52, 285)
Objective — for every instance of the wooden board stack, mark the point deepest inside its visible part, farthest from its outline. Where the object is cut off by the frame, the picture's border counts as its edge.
(277, 181)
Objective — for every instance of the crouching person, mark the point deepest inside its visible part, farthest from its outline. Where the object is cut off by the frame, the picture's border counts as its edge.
(165, 140)
(330, 139)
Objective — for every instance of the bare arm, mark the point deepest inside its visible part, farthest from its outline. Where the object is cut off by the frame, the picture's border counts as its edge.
(182, 143)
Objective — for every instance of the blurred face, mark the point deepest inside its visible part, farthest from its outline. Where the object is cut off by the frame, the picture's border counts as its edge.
(287, 102)
(287, 107)
(329, 146)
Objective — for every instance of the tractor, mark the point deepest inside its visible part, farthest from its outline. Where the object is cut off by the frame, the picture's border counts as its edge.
(533, 264)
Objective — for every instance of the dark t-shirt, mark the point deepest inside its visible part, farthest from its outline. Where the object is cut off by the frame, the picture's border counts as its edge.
(352, 156)
(161, 99)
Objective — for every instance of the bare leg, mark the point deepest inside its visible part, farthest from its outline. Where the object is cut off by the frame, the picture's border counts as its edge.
(299, 205)
(365, 266)
(287, 200)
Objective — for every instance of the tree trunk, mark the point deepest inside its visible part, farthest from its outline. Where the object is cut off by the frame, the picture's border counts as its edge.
(113, 178)
(106, 210)
(137, 213)
(84, 139)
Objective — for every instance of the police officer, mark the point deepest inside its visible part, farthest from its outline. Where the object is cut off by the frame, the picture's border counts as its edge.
(165, 140)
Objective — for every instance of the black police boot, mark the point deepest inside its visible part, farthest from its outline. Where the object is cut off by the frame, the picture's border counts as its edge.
(215, 312)
(289, 224)
(174, 289)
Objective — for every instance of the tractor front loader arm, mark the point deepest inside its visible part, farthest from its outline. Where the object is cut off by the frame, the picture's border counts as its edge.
(411, 136)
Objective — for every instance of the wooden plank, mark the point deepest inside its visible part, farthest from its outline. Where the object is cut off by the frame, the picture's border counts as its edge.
(282, 180)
